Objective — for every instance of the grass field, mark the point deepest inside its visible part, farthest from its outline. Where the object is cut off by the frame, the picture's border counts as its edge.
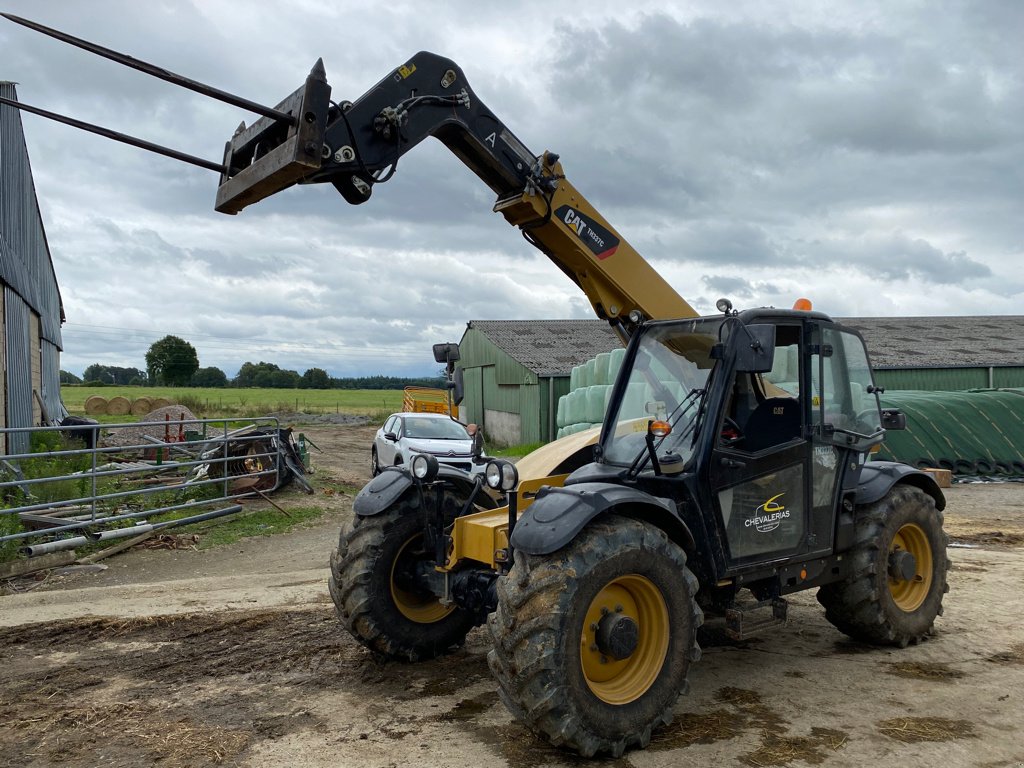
(376, 403)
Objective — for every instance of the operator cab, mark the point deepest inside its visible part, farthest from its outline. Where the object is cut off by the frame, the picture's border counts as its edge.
(770, 414)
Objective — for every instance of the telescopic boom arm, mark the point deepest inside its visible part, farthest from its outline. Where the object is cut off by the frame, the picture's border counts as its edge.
(309, 139)
(355, 145)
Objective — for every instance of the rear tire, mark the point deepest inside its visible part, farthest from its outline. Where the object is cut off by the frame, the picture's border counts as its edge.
(551, 631)
(374, 462)
(375, 600)
(877, 603)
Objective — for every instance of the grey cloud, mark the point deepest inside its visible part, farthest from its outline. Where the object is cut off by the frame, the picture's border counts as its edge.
(769, 152)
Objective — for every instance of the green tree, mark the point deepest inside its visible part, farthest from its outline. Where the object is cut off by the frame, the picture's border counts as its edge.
(315, 378)
(285, 380)
(171, 361)
(112, 374)
(66, 377)
(254, 375)
(210, 377)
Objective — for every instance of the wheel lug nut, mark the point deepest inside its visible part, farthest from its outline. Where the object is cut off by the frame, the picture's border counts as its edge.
(604, 659)
(604, 611)
(619, 609)
(593, 627)
(593, 647)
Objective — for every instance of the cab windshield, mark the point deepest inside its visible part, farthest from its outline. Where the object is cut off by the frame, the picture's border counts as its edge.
(667, 381)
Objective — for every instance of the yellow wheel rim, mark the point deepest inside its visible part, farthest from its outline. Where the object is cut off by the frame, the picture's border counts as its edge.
(908, 594)
(624, 680)
(418, 608)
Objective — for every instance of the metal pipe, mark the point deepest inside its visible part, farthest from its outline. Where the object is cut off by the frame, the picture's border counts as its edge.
(155, 71)
(199, 518)
(136, 491)
(79, 524)
(124, 138)
(34, 550)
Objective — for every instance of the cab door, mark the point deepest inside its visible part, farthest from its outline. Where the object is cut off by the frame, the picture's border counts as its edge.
(845, 422)
(760, 466)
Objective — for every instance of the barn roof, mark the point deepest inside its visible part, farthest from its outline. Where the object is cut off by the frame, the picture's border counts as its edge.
(549, 347)
(553, 347)
(942, 342)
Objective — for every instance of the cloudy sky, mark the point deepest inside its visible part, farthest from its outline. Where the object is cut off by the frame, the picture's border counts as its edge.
(868, 155)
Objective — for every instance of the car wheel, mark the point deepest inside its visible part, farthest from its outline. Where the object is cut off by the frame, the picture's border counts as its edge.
(374, 462)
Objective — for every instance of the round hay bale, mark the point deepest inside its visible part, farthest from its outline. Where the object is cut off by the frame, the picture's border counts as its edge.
(157, 403)
(119, 406)
(595, 400)
(95, 405)
(141, 406)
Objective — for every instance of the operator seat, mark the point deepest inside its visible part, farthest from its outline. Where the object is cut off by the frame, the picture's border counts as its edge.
(774, 421)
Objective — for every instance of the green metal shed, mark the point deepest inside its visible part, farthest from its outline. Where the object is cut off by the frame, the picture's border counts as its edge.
(515, 371)
(944, 353)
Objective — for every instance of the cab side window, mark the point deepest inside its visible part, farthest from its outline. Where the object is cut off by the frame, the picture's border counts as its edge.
(841, 385)
(765, 409)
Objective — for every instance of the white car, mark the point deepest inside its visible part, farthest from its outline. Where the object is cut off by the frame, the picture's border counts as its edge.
(406, 434)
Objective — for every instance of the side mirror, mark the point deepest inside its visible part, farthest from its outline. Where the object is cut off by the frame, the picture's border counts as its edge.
(893, 419)
(755, 348)
(390, 436)
(448, 354)
(457, 386)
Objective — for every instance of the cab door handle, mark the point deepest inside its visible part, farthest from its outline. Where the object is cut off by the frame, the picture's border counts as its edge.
(733, 463)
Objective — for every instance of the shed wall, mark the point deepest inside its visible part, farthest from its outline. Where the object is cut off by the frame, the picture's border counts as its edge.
(500, 393)
(950, 379)
(50, 391)
(18, 317)
(3, 365)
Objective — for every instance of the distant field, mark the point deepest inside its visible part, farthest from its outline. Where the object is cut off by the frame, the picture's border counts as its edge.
(249, 402)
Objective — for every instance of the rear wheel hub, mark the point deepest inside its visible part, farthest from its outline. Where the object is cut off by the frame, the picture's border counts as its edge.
(902, 566)
(617, 635)
(910, 565)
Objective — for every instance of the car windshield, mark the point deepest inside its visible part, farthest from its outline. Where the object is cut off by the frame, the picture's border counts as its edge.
(434, 429)
(667, 381)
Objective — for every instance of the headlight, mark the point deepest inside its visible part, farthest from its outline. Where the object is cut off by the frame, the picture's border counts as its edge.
(501, 475)
(424, 467)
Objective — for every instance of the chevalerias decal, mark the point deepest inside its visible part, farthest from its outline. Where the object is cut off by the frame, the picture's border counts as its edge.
(768, 516)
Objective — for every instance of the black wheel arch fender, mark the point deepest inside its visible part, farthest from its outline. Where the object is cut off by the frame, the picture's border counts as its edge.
(557, 515)
(878, 477)
(395, 482)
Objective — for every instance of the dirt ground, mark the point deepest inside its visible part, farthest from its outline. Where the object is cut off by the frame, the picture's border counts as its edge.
(233, 656)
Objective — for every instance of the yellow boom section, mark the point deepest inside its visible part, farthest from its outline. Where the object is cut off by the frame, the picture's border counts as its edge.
(570, 231)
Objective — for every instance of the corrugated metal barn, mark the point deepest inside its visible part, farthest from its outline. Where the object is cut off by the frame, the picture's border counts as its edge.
(944, 353)
(516, 370)
(31, 313)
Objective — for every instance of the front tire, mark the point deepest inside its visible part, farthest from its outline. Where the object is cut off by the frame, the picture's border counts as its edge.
(898, 579)
(376, 598)
(592, 644)
(374, 462)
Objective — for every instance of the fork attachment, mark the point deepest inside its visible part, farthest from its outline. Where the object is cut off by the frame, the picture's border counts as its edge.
(271, 155)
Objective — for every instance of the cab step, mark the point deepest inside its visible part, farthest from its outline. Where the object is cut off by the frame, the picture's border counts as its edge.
(749, 620)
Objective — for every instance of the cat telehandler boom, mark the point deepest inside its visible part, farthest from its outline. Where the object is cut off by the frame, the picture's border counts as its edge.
(731, 468)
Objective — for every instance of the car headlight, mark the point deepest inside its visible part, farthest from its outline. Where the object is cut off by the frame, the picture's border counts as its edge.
(424, 467)
(501, 475)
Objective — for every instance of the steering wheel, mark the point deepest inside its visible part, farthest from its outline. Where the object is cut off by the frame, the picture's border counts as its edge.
(731, 432)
